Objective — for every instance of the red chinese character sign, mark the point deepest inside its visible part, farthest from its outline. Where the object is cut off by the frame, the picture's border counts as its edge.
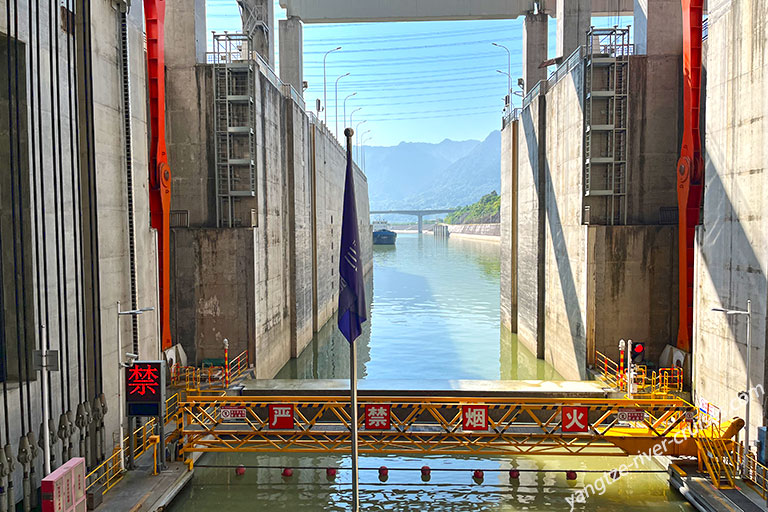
(474, 417)
(145, 388)
(575, 418)
(377, 417)
(281, 416)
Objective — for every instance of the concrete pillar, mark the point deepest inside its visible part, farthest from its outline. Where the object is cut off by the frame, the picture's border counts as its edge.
(259, 20)
(185, 36)
(535, 42)
(291, 53)
(421, 223)
(574, 17)
(658, 27)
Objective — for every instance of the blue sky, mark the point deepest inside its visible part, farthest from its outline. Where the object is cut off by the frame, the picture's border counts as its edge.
(415, 82)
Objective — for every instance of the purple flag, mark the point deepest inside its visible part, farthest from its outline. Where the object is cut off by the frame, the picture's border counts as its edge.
(351, 286)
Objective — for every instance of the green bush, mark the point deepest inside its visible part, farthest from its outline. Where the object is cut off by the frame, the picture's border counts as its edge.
(486, 211)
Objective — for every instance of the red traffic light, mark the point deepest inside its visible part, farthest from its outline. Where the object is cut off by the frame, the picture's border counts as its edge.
(638, 352)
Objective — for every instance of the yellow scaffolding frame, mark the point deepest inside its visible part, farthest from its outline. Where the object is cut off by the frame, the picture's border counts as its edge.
(430, 425)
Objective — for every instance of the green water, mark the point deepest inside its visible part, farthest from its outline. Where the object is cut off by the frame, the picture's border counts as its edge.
(434, 314)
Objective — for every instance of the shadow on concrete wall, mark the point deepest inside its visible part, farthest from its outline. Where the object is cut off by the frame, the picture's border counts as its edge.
(724, 230)
(549, 210)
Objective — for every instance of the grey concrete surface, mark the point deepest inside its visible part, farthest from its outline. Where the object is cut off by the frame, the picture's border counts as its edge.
(105, 198)
(574, 17)
(731, 244)
(292, 53)
(658, 27)
(535, 46)
(270, 283)
(583, 287)
(429, 388)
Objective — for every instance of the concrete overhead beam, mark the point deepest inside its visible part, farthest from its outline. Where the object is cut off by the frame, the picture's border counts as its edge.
(357, 11)
(354, 11)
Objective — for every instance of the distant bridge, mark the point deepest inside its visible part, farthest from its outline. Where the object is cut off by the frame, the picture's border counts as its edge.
(418, 213)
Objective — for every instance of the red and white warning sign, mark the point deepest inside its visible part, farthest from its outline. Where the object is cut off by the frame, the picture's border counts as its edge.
(575, 418)
(281, 416)
(474, 417)
(377, 417)
(229, 412)
(631, 415)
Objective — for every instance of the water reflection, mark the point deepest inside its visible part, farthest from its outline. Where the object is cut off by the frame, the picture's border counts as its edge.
(310, 490)
(434, 310)
(434, 313)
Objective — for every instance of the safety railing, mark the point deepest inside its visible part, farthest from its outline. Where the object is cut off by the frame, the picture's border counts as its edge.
(238, 365)
(564, 69)
(609, 369)
(665, 381)
(108, 473)
(432, 425)
(196, 379)
(718, 457)
(757, 473)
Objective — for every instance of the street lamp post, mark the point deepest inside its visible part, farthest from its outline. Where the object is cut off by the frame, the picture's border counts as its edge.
(336, 103)
(362, 147)
(509, 64)
(120, 392)
(325, 101)
(352, 114)
(508, 99)
(357, 135)
(345, 108)
(745, 395)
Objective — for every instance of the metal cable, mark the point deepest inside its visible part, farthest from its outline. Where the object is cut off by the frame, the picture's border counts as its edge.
(61, 250)
(93, 221)
(41, 184)
(74, 149)
(15, 169)
(2, 304)
(21, 233)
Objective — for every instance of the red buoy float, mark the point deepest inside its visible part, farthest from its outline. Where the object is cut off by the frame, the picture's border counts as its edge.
(287, 472)
(426, 471)
(331, 472)
(514, 474)
(383, 473)
(240, 470)
(570, 475)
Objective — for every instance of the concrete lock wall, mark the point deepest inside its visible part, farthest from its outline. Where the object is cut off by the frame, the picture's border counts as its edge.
(508, 249)
(732, 248)
(270, 287)
(530, 235)
(571, 277)
(102, 275)
(565, 257)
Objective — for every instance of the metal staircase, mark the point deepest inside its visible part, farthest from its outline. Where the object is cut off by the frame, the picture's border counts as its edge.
(234, 117)
(606, 102)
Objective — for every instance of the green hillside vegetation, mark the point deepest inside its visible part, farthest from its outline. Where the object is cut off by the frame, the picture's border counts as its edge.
(486, 211)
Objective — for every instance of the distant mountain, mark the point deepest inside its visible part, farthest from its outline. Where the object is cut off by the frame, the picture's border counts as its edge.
(466, 180)
(395, 173)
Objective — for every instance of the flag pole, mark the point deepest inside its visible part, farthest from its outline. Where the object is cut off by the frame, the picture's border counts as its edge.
(353, 384)
(353, 393)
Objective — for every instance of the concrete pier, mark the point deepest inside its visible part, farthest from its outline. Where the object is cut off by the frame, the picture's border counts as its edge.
(535, 38)
(291, 53)
(574, 17)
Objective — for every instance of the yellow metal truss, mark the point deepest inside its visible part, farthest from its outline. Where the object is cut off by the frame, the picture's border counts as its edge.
(427, 425)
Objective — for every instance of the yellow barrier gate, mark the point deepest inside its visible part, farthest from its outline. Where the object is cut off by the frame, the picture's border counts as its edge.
(426, 425)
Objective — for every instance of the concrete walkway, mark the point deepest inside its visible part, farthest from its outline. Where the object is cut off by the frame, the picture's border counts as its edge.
(449, 388)
(140, 491)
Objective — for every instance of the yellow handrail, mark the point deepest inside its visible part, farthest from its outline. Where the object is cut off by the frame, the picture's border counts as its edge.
(108, 473)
